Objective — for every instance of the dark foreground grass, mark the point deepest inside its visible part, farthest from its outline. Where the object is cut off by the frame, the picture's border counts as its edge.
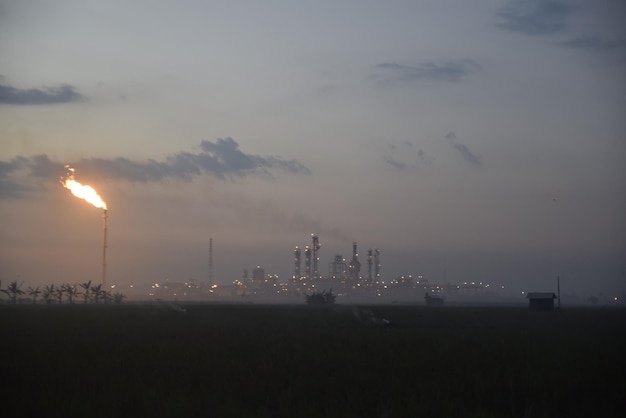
(304, 361)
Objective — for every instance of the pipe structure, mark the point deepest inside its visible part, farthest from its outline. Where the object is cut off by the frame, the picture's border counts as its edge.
(307, 262)
(355, 265)
(104, 248)
(297, 263)
(316, 258)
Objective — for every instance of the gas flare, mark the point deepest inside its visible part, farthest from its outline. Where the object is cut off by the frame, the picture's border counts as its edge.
(83, 191)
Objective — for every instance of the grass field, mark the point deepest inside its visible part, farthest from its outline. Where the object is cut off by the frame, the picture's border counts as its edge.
(146, 360)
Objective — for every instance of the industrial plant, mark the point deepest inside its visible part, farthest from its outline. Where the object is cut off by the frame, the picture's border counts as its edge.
(345, 278)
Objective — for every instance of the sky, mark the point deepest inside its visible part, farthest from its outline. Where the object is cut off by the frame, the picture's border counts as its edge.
(477, 140)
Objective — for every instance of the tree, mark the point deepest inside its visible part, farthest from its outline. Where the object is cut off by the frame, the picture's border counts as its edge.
(323, 298)
(48, 292)
(87, 288)
(96, 291)
(34, 293)
(71, 292)
(118, 297)
(13, 291)
(106, 295)
(58, 292)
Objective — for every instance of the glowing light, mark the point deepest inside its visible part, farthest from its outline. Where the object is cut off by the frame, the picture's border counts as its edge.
(82, 191)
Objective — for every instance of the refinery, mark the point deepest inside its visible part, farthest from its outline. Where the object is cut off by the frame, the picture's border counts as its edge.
(347, 279)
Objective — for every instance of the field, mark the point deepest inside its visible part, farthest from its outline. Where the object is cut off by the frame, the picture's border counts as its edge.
(149, 360)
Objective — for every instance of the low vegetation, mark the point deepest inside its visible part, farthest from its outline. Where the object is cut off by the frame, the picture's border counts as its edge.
(64, 293)
(244, 360)
(321, 298)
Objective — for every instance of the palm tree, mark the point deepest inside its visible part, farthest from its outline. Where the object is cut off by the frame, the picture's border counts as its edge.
(106, 295)
(13, 291)
(58, 292)
(48, 291)
(34, 293)
(71, 292)
(118, 297)
(96, 291)
(87, 287)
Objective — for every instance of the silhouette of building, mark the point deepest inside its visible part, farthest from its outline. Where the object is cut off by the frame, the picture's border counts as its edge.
(541, 301)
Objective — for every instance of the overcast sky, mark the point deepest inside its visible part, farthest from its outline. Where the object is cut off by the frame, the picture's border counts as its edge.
(483, 138)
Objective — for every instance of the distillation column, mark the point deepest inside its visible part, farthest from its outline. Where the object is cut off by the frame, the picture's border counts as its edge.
(297, 263)
(316, 258)
(307, 262)
(355, 265)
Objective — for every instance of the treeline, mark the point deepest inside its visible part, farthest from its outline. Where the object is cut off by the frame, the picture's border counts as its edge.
(65, 293)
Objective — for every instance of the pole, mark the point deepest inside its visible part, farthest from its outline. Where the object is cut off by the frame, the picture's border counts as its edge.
(104, 249)
(210, 272)
(558, 290)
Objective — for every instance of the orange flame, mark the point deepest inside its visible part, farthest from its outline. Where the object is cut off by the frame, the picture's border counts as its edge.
(79, 190)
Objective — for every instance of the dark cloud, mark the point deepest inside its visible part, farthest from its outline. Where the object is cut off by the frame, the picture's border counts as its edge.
(451, 136)
(9, 188)
(535, 17)
(223, 159)
(422, 156)
(450, 71)
(38, 166)
(45, 96)
(594, 43)
(467, 155)
(405, 157)
(398, 165)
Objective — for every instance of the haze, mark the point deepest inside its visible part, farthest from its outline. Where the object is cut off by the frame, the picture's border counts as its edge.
(483, 140)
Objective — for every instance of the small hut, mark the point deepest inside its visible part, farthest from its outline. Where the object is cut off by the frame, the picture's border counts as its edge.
(541, 301)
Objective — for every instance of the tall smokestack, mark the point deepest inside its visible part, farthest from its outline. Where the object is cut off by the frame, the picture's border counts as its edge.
(355, 265)
(297, 263)
(316, 259)
(210, 266)
(104, 248)
(307, 262)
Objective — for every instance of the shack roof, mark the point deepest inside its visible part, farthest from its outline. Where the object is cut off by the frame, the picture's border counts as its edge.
(541, 295)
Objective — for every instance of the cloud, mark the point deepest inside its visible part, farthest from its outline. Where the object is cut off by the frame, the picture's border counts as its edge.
(222, 159)
(594, 43)
(45, 96)
(398, 165)
(38, 167)
(467, 155)
(451, 71)
(535, 17)
(9, 188)
(405, 157)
